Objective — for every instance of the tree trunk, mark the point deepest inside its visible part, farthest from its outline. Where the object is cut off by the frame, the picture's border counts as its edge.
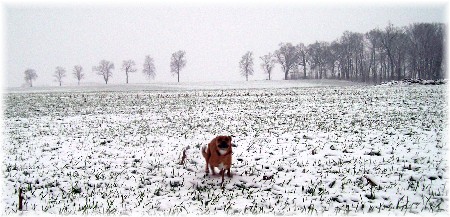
(357, 69)
(381, 71)
(399, 69)
(392, 67)
(333, 76)
(178, 75)
(375, 73)
(304, 67)
(320, 72)
(127, 77)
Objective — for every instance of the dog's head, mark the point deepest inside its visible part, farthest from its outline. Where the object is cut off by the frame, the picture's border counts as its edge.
(223, 142)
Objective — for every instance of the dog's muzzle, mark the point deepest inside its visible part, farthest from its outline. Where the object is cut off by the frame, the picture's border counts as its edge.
(223, 145)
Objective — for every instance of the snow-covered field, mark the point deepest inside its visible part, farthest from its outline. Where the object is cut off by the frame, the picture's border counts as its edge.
(312, 149)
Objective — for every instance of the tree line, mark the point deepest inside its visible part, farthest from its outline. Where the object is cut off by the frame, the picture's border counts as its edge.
(379, 55)
(393, 53)
(105, 69)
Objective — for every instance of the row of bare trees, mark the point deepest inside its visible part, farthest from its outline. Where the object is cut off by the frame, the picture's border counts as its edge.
(105, 69)
(393, 53)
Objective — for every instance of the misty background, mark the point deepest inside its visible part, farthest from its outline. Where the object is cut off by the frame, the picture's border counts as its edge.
(214, 37)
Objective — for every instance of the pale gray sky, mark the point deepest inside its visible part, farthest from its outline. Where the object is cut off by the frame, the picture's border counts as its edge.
(214, 36)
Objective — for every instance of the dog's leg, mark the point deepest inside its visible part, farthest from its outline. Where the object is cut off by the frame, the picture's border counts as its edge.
(212, 169)
(206, 169)
(206, 155)
(222, 172)
(229, 172)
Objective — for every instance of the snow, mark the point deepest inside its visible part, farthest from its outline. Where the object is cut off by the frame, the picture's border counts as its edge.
(301, 148)
(222, 85)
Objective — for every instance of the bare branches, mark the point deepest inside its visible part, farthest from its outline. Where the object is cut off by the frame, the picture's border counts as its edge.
(149, 67)
(268, 62)
(317, 58)
(30, 75)
(246, 64)
(77, 72)
(287, 57)
(128, 66)
(177, 63)
(104, 69)
(60, 73)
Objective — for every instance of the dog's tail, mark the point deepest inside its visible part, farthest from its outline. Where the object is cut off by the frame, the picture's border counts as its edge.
(204, 153)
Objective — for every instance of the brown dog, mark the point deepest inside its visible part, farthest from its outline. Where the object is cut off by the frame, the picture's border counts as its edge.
(218, 154)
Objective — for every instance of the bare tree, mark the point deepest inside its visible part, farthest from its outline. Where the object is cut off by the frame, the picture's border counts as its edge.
(400, 51)
(374, 39)
(268, 62)
(128, 66)
(331, 54)
(351, 55)
(149, 67)
(426, 50)
(104, 69)
(60, 73)
(177, 63)
(438, 48)
(287, 56)
(317, 57)
(246, 65)
(388, 38)
(357, 42)
(30, 75)
(302, 52)
(77, 72)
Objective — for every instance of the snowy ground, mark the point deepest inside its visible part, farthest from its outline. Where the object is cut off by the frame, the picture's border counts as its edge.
(225, 85)
(314, 149)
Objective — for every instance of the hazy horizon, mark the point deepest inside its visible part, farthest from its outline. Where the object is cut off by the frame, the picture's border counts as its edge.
(214, 36)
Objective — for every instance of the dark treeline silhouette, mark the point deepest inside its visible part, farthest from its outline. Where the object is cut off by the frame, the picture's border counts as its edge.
(393, 53)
